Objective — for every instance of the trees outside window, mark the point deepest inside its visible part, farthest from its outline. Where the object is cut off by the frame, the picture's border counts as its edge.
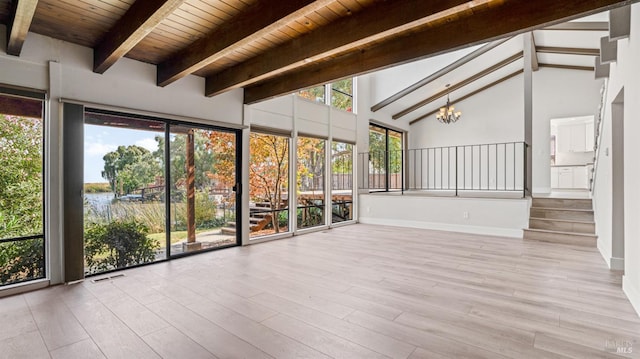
(268, 184)
(21, 190)
(339, 94)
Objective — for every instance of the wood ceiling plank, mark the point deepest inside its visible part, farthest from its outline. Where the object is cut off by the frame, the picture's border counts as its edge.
(77, 11)
(105, 6)
(497, 20)
(194, 15)
(141, 18)
(348, 32)
(459, 85)
(21, 18)
(473, 93)
(258, 20)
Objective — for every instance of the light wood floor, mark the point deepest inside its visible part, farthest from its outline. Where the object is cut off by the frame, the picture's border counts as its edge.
(359, 291)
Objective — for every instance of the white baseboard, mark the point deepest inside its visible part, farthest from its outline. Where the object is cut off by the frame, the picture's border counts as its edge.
(604, 251)
(487, 231)
(617, 263)
(632, 292)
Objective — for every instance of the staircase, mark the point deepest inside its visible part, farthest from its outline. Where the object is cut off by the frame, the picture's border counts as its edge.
(259, 217)
(562, 220)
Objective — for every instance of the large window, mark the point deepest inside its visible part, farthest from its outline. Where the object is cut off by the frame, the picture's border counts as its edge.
(22, 242)
(384, 159)
(341, 182)
(339, 94)
(268, 184)
(310, 178)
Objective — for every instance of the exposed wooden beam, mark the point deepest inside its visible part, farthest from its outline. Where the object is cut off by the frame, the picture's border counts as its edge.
(534, 54)
(470, 94)
(567, 51)
(459, 85)
(567, 67)
(371, 24)
(443, 71)
(22, 12)
(580, 26)
(258, 21)
(478, 25)
(141, 18)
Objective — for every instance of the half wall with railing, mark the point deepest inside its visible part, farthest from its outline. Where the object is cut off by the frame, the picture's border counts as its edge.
(451, 170)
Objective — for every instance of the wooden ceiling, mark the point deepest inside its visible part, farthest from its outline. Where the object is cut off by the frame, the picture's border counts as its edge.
(271, 48)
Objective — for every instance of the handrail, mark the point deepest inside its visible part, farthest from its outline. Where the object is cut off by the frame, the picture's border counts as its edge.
(497, 167)
(599, 127)
(19, 239)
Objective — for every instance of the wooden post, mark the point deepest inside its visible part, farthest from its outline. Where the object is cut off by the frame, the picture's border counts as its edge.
(191, 194)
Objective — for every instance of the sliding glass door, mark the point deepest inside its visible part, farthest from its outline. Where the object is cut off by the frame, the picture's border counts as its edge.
(154, 189)
(124, 196)
(202, 194)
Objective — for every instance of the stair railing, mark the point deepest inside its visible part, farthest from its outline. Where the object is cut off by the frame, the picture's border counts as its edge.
(598, 134)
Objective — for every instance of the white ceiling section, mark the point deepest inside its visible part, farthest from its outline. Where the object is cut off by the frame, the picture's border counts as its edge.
(556, 48)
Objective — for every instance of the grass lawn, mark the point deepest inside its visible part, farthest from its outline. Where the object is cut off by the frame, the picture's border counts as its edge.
(176, 236)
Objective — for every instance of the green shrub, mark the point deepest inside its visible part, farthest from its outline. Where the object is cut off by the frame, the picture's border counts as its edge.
(21, 260)
(117, 244)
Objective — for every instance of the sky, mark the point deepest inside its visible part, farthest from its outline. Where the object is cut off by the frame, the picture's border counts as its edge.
(100, 140)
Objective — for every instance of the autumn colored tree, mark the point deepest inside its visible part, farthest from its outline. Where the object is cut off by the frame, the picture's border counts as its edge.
(310, 174)
(222, 145)
(269, 171)
(341, 94)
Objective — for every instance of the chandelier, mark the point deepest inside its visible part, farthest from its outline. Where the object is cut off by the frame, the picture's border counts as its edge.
(447, 113)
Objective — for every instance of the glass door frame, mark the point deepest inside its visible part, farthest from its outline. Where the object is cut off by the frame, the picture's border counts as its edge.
(167, 170)
(237, 187)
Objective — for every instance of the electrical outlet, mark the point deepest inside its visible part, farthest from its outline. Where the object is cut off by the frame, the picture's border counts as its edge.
(465, 215)
(368, 209)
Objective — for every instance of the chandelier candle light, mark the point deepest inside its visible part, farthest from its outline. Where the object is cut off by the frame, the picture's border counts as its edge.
(447, 114)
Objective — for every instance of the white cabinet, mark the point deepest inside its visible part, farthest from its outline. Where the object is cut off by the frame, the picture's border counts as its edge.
(580, 177)
(575, 138)
(565, 177)
(570, 177)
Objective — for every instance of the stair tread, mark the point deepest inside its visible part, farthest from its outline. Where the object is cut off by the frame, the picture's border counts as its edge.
(564, 209)
(560, 232)
(562, 220)
(564, 198)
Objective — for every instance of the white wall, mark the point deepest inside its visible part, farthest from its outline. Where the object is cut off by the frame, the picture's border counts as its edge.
(491, 116)
(624, 78)
(469, 215)
(365, 115)
(394, 79)
(625, 75)
(558, 94)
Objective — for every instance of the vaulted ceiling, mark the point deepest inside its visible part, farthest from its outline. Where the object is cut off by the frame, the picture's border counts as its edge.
(271, 48)
(570, 46)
